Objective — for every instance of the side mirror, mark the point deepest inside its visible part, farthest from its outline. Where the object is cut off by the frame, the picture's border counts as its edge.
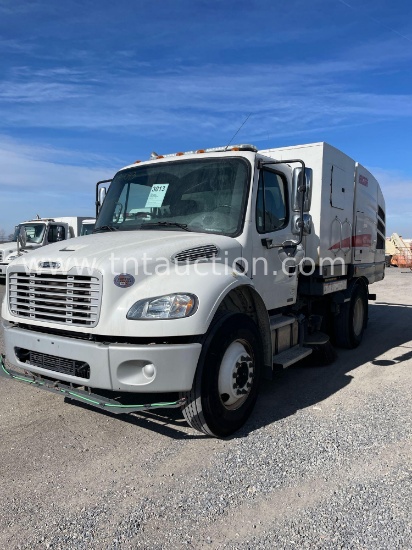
(22, 238)
(102, 196)
(296, 190)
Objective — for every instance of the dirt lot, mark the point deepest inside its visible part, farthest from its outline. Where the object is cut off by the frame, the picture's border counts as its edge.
(324, 462)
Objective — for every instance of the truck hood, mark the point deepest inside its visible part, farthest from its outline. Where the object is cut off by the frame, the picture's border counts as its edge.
(123, 251)
(132, 266)
(8, 248)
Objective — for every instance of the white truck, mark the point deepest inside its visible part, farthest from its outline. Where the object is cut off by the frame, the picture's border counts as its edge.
(206, 271)
(39, 232)
(88, 226)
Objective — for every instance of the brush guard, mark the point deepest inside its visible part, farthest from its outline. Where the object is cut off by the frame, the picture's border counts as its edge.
(84, 396)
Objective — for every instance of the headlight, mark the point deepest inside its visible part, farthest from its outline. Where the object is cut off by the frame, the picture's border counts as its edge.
(172, 306)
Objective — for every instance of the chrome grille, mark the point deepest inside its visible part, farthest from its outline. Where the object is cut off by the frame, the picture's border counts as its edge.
(1, 256)
(70, 299)
(195, 254)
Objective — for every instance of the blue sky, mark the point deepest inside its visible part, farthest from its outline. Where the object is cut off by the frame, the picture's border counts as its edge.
(87, 87)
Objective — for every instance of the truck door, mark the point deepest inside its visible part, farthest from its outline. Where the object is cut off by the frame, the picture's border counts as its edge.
(275, 279)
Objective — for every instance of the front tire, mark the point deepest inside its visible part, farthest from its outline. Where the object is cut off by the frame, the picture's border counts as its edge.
(227, 378)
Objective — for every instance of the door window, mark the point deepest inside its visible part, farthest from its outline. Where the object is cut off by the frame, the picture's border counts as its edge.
(271, 205)
(56, 233)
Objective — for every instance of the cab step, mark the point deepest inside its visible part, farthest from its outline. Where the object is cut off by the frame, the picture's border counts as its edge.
(290, 356)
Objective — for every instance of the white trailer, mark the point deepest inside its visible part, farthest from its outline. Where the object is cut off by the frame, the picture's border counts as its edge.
(39, 232)
(206, 271)
(347, 209)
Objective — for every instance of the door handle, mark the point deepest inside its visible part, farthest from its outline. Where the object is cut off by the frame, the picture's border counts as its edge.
(268, 243)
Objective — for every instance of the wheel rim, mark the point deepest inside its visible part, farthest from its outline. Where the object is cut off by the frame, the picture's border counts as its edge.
(236, 375)
(358, 317)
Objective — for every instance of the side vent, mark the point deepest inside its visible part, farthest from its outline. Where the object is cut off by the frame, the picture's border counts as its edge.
(380, 242)
(196, 254)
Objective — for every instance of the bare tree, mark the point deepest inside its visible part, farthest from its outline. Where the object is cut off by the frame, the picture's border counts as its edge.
(2, 235)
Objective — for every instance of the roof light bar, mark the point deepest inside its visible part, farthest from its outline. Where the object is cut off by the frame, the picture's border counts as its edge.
(242, 147)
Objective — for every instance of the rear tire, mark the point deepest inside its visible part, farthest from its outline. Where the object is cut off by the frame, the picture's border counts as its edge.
(227, 378)
(351, 321)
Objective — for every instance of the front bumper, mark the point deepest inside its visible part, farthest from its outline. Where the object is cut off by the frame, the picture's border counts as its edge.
(115, 367)
(86, 396)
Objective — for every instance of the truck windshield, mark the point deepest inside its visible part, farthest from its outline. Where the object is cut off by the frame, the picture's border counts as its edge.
(87, 229)
(34, 232)
(205, 195)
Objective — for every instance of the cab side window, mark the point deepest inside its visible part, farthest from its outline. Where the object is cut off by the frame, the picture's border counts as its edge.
(271, 205)
(56, 233)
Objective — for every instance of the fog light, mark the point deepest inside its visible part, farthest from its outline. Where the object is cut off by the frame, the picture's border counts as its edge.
(149, 371)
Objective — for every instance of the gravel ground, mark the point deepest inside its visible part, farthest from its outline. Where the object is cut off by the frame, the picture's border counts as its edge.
(323, 463)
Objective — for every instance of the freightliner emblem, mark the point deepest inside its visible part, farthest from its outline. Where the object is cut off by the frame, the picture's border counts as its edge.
(124, 280)
(49, 265)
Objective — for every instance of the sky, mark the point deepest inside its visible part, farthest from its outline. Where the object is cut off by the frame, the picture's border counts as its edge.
(88, 87)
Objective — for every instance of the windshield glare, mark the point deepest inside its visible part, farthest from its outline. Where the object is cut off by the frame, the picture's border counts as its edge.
(207, 195)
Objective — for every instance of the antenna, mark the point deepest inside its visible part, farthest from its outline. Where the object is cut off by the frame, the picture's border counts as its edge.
(238, 130)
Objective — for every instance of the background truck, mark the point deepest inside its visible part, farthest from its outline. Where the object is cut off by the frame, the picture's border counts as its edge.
(88, 226)
(39, 232)
(207, 270)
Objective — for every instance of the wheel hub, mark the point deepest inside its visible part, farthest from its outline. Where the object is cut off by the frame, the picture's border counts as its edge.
(236, 375)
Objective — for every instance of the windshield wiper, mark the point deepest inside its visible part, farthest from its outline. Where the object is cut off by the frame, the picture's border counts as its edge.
(165, 224)
(105, 228)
